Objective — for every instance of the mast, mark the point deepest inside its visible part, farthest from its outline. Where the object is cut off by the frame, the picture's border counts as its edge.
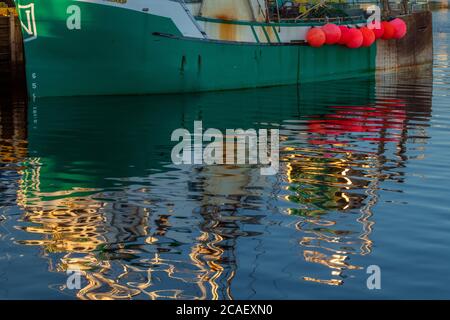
(278, 11)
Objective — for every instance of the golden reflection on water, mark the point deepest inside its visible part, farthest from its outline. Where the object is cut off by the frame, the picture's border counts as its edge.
(330, 175)
(126, 250)
(13, 135)
(83, 228)
(322, 184)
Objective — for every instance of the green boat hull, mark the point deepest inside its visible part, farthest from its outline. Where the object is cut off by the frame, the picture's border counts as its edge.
(117, 51)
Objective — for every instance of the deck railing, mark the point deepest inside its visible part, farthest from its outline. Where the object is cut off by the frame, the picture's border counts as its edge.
(353, 9)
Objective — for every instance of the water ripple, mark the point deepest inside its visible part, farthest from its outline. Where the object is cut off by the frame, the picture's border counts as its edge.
(363, 181)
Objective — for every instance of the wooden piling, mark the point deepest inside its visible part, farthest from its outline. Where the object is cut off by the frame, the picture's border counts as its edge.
(5, 52)
(11, 47)
(12, 39)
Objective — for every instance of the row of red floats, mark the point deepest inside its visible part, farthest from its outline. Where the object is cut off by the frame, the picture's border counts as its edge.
(355, 37)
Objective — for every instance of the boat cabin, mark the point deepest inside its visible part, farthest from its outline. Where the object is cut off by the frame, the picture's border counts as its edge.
(268, 21)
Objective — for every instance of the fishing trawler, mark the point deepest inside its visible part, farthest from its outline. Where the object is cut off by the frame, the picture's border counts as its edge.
(113, 47)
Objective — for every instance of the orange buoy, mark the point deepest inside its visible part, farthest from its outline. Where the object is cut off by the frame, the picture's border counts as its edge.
(368, 37)
(378, 32)
(355, 38)
(344, 35)
(389, 30)
(332, 33)
(315, 37)
(400, 28)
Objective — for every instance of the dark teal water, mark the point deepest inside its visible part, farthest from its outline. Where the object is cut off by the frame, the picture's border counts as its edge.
(88, 183)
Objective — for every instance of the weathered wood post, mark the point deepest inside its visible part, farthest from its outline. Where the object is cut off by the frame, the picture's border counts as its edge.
(12, 40)
(4, 45)
(405, 6)
(385, 8)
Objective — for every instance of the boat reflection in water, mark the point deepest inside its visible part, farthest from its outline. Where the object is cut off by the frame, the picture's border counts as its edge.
(350, 152)
(99, 194)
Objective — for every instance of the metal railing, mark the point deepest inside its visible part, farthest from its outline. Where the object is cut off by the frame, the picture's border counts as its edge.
(350, 7)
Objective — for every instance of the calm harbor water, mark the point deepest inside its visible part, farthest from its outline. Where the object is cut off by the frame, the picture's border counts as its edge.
(88, 184)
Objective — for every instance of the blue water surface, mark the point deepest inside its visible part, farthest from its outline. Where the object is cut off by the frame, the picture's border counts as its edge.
(88, 184)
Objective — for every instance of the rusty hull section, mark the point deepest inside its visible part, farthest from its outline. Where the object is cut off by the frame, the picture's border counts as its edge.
(244, 10)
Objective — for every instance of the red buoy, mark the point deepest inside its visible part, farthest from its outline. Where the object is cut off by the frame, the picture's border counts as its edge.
(368, 37)
(355, 38)
(332, 33)
(344, 35)
(400, 28)
(378, 32)
(389, 30)
(316, 37)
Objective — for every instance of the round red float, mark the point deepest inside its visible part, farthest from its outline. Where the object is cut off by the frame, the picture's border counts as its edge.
(400, 28)
(389, 30)
(368, 37)
(344, 35)
(332, 33)
(316, 37)
(378, 32)
(355, 39)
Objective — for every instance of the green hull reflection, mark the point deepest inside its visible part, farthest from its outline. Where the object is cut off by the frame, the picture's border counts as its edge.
(96, 191)
(79, 135)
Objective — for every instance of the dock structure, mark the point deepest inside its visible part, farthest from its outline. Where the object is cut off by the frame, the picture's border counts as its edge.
(415, 50)
(11, 47)
(440, 4)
